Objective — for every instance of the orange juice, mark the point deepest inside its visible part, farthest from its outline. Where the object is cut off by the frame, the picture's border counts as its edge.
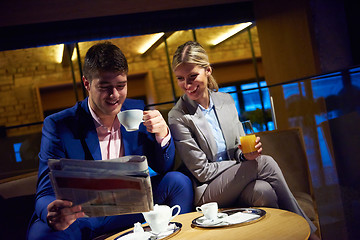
(248, 143)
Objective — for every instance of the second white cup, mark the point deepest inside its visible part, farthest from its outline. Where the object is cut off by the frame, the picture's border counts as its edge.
(210, 210)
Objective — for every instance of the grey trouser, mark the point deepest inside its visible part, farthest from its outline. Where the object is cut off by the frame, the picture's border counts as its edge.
(253, 183)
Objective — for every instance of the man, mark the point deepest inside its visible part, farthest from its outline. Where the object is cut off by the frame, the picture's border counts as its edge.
(91, 131)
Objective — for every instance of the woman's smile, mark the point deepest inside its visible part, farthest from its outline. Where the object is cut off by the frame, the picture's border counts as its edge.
(189, 91)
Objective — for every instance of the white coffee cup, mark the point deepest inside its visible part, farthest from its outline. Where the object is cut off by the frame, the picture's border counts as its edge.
(131, 119)
(160, 217)
(210, 210)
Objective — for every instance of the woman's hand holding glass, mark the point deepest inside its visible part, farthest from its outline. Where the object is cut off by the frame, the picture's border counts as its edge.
(255, 154)
(250, 145)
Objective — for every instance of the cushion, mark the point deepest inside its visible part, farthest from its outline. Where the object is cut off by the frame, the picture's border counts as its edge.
(306, 203)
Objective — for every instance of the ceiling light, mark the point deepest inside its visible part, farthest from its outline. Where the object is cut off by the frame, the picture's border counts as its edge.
(74, 55)
(237, 28)
(153, 38)
(59, 53)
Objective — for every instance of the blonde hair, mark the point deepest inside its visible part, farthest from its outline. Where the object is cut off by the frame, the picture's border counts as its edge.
(193, 53)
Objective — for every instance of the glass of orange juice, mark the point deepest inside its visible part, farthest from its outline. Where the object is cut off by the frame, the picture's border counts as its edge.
(248, 141)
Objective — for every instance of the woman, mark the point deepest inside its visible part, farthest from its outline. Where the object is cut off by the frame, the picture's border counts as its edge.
(206, 130)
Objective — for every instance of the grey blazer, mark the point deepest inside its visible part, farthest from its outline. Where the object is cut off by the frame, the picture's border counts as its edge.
(194, 140)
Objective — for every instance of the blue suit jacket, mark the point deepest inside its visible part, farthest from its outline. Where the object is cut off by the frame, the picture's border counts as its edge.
(71, 134)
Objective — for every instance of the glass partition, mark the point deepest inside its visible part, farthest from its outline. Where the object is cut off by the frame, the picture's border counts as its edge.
(39, 81)
(325, 107)
(36, 82)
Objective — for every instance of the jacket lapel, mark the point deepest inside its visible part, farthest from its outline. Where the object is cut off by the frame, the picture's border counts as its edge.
(224, 121)
(91, 145)
(202, 124)
(92, 142)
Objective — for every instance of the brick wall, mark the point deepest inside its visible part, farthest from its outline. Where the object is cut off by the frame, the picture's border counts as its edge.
(20, 72)
(23, 70)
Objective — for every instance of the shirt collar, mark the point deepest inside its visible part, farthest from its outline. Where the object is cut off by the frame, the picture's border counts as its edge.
(211, 105)
(116, 124)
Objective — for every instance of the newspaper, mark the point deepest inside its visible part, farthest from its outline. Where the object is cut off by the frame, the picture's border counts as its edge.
(106, 187)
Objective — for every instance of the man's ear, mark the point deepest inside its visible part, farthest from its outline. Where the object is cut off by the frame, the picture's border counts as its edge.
(86, 83)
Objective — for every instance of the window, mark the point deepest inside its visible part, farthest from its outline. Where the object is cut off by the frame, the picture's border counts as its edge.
(234, 95)
(248, 103)
(17, 152)
(355, 77)
(325, 87)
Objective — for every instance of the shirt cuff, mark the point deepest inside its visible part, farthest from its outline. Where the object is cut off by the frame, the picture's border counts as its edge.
(165, 140)
(242, 157)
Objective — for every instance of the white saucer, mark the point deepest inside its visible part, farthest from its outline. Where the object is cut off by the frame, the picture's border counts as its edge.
(231, 217)
(173, 229)
(208, 222)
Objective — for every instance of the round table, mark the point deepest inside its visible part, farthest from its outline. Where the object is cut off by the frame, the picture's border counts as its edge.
(277, 224)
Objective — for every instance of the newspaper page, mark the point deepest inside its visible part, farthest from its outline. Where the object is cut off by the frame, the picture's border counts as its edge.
(104, 187)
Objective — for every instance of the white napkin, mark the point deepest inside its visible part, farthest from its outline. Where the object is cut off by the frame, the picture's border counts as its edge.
(140, 234)
(239, 217)
(137, 234)
(138, 228)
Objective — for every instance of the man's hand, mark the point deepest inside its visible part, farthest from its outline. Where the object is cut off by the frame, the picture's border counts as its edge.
(61, 214)
(155, 123)
(253, 155)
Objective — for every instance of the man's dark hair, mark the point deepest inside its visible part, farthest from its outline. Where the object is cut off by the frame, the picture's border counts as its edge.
(104, 57)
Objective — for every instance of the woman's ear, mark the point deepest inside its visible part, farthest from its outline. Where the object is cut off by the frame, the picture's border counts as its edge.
(208, 70)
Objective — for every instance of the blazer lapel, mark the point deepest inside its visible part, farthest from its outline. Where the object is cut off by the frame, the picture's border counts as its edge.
(92, 142)
(225, 125)
(91, 146)
(202, 124)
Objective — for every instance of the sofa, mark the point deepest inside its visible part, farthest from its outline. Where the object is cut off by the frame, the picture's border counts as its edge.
(17, 199)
